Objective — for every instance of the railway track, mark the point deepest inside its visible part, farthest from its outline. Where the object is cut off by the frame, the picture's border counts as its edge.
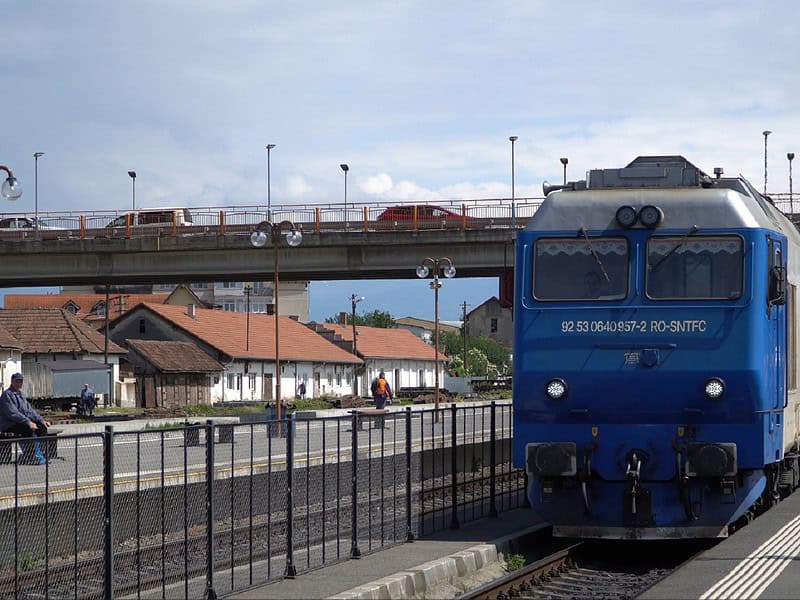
(597, 570)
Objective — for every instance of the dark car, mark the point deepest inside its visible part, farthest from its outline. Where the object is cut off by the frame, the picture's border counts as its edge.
(425, 212)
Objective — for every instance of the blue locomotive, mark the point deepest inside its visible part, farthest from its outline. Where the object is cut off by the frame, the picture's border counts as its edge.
(656, 353)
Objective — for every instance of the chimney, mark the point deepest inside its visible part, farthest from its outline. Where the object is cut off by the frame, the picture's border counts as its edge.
(343, 318)
(190, 310)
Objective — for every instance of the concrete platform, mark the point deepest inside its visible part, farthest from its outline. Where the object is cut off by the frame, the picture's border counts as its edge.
(761, 560)
(413, 569)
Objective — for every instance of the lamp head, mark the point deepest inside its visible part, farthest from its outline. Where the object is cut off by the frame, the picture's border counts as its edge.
(258, 238)
(294, 238)
(132, 174)
(766, 132)
(38, 154)
(12, 188)
(270, 146)
(344, 167)
(423, 271)
(513, 138)
(790, 155)
(449, 271)
(564, 160)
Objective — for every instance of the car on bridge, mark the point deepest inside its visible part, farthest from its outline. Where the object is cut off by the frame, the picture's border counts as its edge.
(16, 223)
(427, 216)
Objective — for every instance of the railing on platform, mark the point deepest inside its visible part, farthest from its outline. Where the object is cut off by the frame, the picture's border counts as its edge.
(203, 509)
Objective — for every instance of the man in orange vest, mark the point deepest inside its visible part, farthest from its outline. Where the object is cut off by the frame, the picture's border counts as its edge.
(381, 392)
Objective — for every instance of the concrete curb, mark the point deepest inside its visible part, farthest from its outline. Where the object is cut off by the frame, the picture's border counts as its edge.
(415, 581)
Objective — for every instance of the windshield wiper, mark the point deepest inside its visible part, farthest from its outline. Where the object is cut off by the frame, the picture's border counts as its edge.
(594, 254)
(675, 248)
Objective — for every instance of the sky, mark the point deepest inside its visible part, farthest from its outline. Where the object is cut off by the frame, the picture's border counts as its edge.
(419, 98)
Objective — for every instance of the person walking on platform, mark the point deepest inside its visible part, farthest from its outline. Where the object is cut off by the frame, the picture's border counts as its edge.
(17, 416)
(87, 401)
(381, 393)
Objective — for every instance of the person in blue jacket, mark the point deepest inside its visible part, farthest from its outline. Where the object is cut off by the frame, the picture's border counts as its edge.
(16, 413)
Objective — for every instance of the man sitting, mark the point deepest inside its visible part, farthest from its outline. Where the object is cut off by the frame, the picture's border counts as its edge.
(17, 416)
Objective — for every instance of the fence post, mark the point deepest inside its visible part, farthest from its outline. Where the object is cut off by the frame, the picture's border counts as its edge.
(211, 593)
(108, 506)
(492, 462)
(291, 570)
(354, 551)
(453, 467)
(409, 531)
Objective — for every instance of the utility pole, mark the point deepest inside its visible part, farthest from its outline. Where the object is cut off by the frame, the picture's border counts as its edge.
(464, 306)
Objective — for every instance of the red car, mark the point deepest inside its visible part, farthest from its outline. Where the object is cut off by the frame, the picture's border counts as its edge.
(425, 212)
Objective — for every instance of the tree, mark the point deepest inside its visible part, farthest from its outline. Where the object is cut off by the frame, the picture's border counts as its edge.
(484, 355)
(373, 318)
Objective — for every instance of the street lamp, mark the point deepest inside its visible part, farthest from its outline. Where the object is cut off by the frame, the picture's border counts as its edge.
(269, 193)
(513, 139)
(765, 133)
(132, 175)
(345, 168)
(353, 301)
(36, 156)
(790, 156)
(439, 266)
(564, 162)
(259, 238)
(12, 188)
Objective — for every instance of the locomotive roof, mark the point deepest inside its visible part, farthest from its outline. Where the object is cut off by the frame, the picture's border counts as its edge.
(685, 194)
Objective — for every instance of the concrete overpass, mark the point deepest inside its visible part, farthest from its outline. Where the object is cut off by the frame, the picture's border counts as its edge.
(483, 252)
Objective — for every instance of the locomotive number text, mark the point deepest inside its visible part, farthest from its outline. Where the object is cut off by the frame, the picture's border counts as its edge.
(635, 326)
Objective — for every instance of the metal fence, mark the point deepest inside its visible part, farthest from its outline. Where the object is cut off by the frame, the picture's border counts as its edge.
(204, 509)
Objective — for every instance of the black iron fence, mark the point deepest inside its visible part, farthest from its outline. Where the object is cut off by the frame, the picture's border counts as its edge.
(208, 508)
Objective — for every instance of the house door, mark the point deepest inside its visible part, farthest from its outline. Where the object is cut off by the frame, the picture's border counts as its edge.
(317, 393)
(267, 387)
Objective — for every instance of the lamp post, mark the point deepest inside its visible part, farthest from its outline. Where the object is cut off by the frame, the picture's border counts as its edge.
(345, 168)
(265, 231)
(766, 133)
(269, 192)
(439, 266)
(790, 156)
(132, 175)
(247, 289)
(513, 139)
(564, 162)
(464, 306)
(353, 301)
(36, 156)
(11, 188)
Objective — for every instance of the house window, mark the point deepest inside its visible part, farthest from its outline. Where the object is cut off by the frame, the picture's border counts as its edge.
(494, 325)
(100, 309)
(234, 381)
(229, 306)
(339, 379)
(230, 285)
(215, 379)
(252, 381)
(141, 325)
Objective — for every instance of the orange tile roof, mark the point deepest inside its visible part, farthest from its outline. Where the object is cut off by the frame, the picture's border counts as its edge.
(48, 330)
(84, 302)
(226, 331)
(176, 357)
(7, 340)
(380, 342)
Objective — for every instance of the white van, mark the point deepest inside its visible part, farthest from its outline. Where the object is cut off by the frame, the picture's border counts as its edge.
(154, 217)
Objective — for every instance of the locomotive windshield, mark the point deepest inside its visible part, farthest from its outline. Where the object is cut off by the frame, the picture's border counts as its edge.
(698, 268)
(581, 269)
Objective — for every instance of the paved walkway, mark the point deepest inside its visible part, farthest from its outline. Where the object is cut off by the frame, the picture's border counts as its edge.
(408, 569)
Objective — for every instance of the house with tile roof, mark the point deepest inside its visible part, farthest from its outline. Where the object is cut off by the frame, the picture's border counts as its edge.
(245, 345)
(424, 329)
(492, 320)
(10, 356)
(53, 334)
(172, 373)
(92, 307)
(406, 360)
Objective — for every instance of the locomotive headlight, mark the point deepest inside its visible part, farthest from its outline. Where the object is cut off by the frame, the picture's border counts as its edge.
(714, 388)
(556, 389)
(626, 216)
(650, 216)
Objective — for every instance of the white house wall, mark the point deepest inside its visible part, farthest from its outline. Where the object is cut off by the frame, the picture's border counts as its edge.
(10, 363)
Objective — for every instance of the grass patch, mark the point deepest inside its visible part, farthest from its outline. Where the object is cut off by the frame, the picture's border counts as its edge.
(515, 562)
(178, 425)
(312, 404)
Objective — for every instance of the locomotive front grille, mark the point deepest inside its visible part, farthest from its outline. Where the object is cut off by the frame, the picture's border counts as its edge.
(552, 459)
(711, 460)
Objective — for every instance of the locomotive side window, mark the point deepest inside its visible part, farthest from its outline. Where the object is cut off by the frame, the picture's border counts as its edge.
(593, 269)
(699, 268)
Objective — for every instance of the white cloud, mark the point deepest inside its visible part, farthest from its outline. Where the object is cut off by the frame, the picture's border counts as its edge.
(377, 185)
(296, 186)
